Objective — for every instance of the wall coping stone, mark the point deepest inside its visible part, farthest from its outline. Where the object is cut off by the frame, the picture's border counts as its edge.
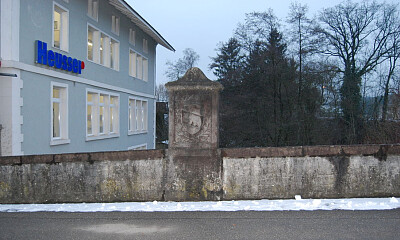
(379, 151)
(84, 157)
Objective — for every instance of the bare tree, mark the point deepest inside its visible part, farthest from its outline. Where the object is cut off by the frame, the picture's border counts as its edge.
(190, 58)
(357, 34)
(178, 69)
(257, 27)
(393, 49)
(300, 34)
(161, 93)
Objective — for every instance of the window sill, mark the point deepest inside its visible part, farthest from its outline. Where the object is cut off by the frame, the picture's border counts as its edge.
(100, 137)
(59, 142)
(60, 50)
(115, 33)
(94, 19)
(137, 132)
(135, 78)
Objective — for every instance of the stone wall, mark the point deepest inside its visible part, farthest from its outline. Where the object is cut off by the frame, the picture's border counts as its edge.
(245, 173)
(312, 172)
(84, 177)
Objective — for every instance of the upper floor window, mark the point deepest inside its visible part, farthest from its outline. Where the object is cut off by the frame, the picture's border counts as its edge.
(93, 9)
(60, 27)
(138, 66)
(115, 25)
(102, 49)
(114, 54)
(132, 36)
(145, 46)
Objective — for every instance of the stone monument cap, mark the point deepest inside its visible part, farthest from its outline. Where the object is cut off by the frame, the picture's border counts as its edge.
(194, 79)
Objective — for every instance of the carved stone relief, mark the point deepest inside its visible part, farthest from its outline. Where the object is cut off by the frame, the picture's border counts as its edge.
(192, 119)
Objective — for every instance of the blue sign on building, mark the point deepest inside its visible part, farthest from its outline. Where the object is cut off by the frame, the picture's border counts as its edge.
(57, 60)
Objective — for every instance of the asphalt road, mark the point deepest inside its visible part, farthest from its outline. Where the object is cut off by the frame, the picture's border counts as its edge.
(203, 225)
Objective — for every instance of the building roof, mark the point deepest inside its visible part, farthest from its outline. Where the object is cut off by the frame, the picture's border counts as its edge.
(126, 9)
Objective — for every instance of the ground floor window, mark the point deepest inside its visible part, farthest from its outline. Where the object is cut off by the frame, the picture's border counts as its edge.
(102, 115)
(59, 114)
(138, 116)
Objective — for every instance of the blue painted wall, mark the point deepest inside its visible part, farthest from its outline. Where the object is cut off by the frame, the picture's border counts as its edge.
(36, 24)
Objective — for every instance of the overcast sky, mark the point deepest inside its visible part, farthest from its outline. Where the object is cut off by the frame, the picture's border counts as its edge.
(202, 24)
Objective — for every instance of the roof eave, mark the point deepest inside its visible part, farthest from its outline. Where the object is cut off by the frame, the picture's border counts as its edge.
(150, 30)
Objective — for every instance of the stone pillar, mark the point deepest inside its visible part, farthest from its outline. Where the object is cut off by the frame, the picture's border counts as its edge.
(194, 164)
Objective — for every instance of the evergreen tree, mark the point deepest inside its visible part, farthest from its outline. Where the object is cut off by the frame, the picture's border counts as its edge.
(228, 63)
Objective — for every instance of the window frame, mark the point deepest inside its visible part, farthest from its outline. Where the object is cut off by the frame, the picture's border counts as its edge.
(92, 3)
(112, 122)
(132, 123)
(106, 58)
(145, 46)
(115, 24)
(95, 120)
(64, 46)
(144, 72)
(132, 36)
(64, 119)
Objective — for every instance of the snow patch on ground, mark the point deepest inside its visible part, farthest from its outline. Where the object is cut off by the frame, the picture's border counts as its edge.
(258, 205)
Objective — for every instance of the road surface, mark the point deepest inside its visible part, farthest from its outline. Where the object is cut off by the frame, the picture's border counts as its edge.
(202, 225)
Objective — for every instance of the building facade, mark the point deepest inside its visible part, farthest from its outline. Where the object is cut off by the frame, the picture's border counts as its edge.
(76, 76)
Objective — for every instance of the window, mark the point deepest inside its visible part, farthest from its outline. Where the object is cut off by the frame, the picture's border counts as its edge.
(114, 54)
(90, 43)
(139, 63)
(93, 9)
(102, 49)
(90, 113)
(145, 46)
(60, 27)
(59, 116)
(145, 70)
(132, 36)
(113, 116)
(115, 25)
(132, 63)
(102, 114)
(138, 66)
(137, 116)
